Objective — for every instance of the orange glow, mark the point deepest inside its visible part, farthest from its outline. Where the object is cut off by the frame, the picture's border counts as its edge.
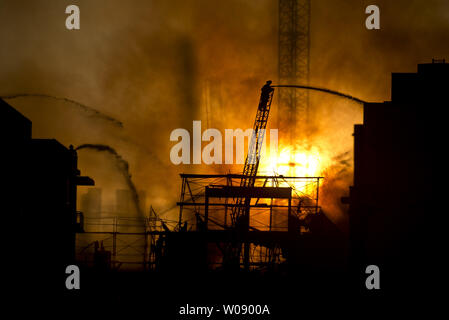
(299, 161)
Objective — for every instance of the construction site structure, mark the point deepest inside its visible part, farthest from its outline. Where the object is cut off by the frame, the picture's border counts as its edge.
(225, 221)
(277, 209)
(239, 198)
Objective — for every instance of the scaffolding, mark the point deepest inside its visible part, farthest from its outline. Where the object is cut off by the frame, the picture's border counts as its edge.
(279, 208)
(192, 204)
(127, 243)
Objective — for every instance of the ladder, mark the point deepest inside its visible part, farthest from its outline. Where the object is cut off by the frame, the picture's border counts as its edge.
(241, 210)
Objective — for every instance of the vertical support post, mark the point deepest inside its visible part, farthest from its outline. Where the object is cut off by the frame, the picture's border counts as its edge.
(289, 214)
(114, 243)
(246, 221)
(317, 194)
(183, 189)
(145, 250)
(206, 208)
(226, 213)
(246, 248)
(228, 183)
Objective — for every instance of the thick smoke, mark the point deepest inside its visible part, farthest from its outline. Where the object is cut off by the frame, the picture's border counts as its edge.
(123, 166)
(150, 62)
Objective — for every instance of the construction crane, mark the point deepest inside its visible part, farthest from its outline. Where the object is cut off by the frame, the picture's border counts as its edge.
(240, 213)
(294, 65)
(294, 52)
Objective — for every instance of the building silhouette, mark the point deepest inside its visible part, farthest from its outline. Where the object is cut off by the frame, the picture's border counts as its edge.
(39, 210)
(392, 203)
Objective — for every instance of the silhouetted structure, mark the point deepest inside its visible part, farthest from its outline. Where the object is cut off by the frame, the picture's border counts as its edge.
(393, 198)
(287, 234)
(40, 205)
(294, 65)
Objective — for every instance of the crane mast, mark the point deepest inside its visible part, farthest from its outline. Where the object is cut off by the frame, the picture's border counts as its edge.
(240, 213)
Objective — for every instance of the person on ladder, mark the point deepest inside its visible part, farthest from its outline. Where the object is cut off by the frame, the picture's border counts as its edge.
(266, 90)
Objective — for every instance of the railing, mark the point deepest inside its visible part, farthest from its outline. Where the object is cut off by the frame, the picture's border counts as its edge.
(127, 239)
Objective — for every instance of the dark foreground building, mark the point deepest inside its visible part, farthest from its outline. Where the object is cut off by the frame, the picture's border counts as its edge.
(393, 217)
(39, 213)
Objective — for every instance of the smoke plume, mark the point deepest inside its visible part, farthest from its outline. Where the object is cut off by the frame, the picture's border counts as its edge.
(161, 64)
(123, 166)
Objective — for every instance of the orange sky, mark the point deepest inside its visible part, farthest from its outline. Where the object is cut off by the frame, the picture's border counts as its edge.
(157, 65)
